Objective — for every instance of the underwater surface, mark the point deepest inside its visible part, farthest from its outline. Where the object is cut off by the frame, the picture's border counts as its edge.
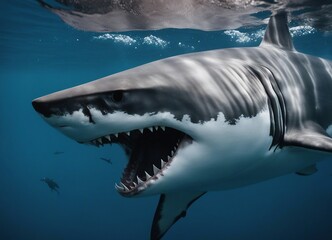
(40, 54)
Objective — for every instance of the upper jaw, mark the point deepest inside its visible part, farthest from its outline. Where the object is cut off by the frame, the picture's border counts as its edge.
(114, 137)
(150, 152)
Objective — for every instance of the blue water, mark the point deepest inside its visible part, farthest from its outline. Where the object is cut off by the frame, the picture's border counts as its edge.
(40, 54)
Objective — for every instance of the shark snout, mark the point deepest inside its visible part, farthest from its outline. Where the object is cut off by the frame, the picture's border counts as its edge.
(40, 106)
(47, 107)
(65, 100)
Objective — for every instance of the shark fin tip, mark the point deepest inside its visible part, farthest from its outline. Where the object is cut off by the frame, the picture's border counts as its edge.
(277, 32)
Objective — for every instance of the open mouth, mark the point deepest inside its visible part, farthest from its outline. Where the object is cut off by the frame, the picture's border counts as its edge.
(150, 151)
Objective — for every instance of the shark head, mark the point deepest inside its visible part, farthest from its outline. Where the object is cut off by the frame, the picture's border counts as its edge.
(165, 117)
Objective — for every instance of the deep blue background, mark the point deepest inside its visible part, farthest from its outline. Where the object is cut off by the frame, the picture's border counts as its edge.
(41, 54)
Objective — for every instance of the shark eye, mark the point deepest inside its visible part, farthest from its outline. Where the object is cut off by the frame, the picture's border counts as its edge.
(117, 96)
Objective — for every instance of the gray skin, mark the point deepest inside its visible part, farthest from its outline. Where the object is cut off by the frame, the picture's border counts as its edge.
(237, 82)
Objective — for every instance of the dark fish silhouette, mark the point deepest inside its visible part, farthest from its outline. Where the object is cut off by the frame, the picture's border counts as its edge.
(108, 160)
(51, 184)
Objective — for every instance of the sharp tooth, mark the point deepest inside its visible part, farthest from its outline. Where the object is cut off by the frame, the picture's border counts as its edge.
(174, 148)
(141, 130)
(128, 133)
(108, 138)
(168, 158)
(155, 170)
(156, 128)
(139, 181)
(172, 153)
(117, 187)
(100, 141)
(163, 128)
(116, 134)
(135, 184)
(124, 186)
(162, 163)
(151, 129)
(147, 175)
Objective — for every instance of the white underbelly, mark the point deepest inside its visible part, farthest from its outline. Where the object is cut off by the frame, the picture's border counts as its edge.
(276, 163)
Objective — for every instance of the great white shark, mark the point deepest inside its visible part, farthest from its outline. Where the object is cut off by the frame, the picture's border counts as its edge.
(205, 121)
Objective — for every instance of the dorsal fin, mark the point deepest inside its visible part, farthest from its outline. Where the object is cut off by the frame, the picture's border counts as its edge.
(277, 32)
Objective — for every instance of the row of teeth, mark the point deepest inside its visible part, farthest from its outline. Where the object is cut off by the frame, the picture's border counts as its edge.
(108, 138)
(122, 187)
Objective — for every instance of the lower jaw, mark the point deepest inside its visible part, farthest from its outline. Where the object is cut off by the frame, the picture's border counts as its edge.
(146, 186)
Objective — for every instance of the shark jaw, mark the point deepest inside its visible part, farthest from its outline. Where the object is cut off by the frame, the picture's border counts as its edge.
(149, 151)
(151, 142)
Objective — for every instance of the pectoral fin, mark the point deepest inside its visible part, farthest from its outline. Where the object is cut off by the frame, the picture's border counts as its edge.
(311, 135)
(171, 207)
(308, 170)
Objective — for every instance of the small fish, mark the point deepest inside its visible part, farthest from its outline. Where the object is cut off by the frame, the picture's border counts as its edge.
(108, 160)
(51, 184)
